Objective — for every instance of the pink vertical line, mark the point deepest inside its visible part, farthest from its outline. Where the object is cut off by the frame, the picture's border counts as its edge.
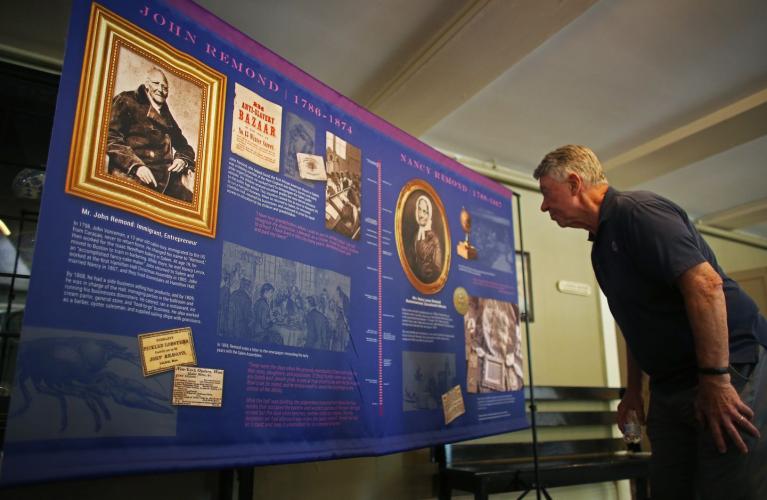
(380, 300)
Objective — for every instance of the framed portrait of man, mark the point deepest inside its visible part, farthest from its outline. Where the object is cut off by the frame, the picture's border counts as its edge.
(148, 127)
(423, 236)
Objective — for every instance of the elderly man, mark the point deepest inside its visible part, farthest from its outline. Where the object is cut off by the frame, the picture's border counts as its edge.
(146, 144)
(700, 338)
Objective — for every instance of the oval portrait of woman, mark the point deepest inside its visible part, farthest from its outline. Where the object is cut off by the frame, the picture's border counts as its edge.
(423, 237)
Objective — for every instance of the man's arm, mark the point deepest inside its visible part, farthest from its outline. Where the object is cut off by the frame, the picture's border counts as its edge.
(718, 404)
(183, 151)
(121, 156)
(632, 399)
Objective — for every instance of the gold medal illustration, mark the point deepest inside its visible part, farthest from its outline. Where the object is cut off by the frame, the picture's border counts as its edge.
(461, 300)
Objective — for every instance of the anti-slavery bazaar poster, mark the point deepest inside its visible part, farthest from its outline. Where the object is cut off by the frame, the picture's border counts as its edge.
(237, 266)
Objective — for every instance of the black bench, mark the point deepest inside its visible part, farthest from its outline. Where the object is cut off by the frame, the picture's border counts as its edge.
(489, 468)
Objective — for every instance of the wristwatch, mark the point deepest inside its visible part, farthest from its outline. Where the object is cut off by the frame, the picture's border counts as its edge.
(716, 370)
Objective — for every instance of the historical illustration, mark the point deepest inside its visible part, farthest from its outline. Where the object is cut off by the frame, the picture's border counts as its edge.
(343, 200)
(493, 346)
(423, 236)
(147, 134)
(268, 299)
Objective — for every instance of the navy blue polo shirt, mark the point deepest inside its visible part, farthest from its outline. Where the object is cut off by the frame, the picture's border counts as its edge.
(643, 244)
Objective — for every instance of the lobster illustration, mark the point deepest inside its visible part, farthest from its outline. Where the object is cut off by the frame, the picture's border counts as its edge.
(76, 367)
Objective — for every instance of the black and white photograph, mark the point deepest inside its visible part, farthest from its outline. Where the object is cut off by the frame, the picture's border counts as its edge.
(148, 128)
(343, 195)
(423, 237)
(154, 125)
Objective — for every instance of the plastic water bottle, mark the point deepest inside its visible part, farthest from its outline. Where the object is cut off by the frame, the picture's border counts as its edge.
(632, 430)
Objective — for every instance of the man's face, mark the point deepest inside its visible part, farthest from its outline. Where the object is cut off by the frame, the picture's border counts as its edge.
(558, 200)
(157, 87)
(422, 213)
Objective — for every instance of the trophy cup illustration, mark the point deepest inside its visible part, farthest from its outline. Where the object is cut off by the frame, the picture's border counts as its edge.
(466, 249)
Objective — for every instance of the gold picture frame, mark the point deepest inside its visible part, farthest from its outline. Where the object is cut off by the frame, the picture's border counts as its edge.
(116, 50)
(424, 249)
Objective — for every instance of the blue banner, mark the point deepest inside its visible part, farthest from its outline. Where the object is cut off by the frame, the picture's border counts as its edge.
(236, 265)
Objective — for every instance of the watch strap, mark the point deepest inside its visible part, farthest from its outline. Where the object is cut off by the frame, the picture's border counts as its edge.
(713, 370)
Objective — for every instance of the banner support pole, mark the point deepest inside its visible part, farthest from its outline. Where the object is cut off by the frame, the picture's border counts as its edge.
(532, 405)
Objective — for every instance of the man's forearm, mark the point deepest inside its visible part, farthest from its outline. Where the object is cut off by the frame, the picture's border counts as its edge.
(717, 403)
(701, 287)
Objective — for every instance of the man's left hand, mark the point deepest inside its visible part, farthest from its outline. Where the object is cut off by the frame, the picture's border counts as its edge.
(719, 407)
(178, 165)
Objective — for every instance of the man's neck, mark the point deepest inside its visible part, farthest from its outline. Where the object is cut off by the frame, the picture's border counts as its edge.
(592, 204)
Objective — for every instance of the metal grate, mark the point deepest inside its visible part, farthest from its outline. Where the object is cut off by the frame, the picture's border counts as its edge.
(27, 104)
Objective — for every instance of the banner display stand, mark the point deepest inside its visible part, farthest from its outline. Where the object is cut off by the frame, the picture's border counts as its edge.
(237, 266)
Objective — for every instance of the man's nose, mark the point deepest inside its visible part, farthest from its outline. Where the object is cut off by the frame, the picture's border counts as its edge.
(544, 206)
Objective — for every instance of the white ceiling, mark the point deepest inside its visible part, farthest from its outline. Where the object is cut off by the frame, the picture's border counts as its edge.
(672, 95)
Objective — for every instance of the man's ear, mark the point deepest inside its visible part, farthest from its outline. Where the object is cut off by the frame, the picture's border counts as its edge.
(574, 182)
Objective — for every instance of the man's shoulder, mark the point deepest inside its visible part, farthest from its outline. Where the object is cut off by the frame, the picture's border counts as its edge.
(643, 203)
(136, 96)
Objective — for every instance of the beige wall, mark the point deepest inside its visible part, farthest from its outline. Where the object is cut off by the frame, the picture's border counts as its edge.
(566, 335)
(733, 256)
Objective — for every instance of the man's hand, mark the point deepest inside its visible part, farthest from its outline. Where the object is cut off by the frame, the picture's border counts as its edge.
(177, 166)
(719, 407)
(632, 400)
(145, 175)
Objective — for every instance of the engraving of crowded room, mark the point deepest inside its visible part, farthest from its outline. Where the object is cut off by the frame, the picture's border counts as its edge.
(268, 299)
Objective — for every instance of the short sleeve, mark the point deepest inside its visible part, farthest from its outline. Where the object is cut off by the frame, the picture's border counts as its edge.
(661, 242)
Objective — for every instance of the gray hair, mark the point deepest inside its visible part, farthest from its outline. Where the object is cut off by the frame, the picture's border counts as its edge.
(572, 159)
